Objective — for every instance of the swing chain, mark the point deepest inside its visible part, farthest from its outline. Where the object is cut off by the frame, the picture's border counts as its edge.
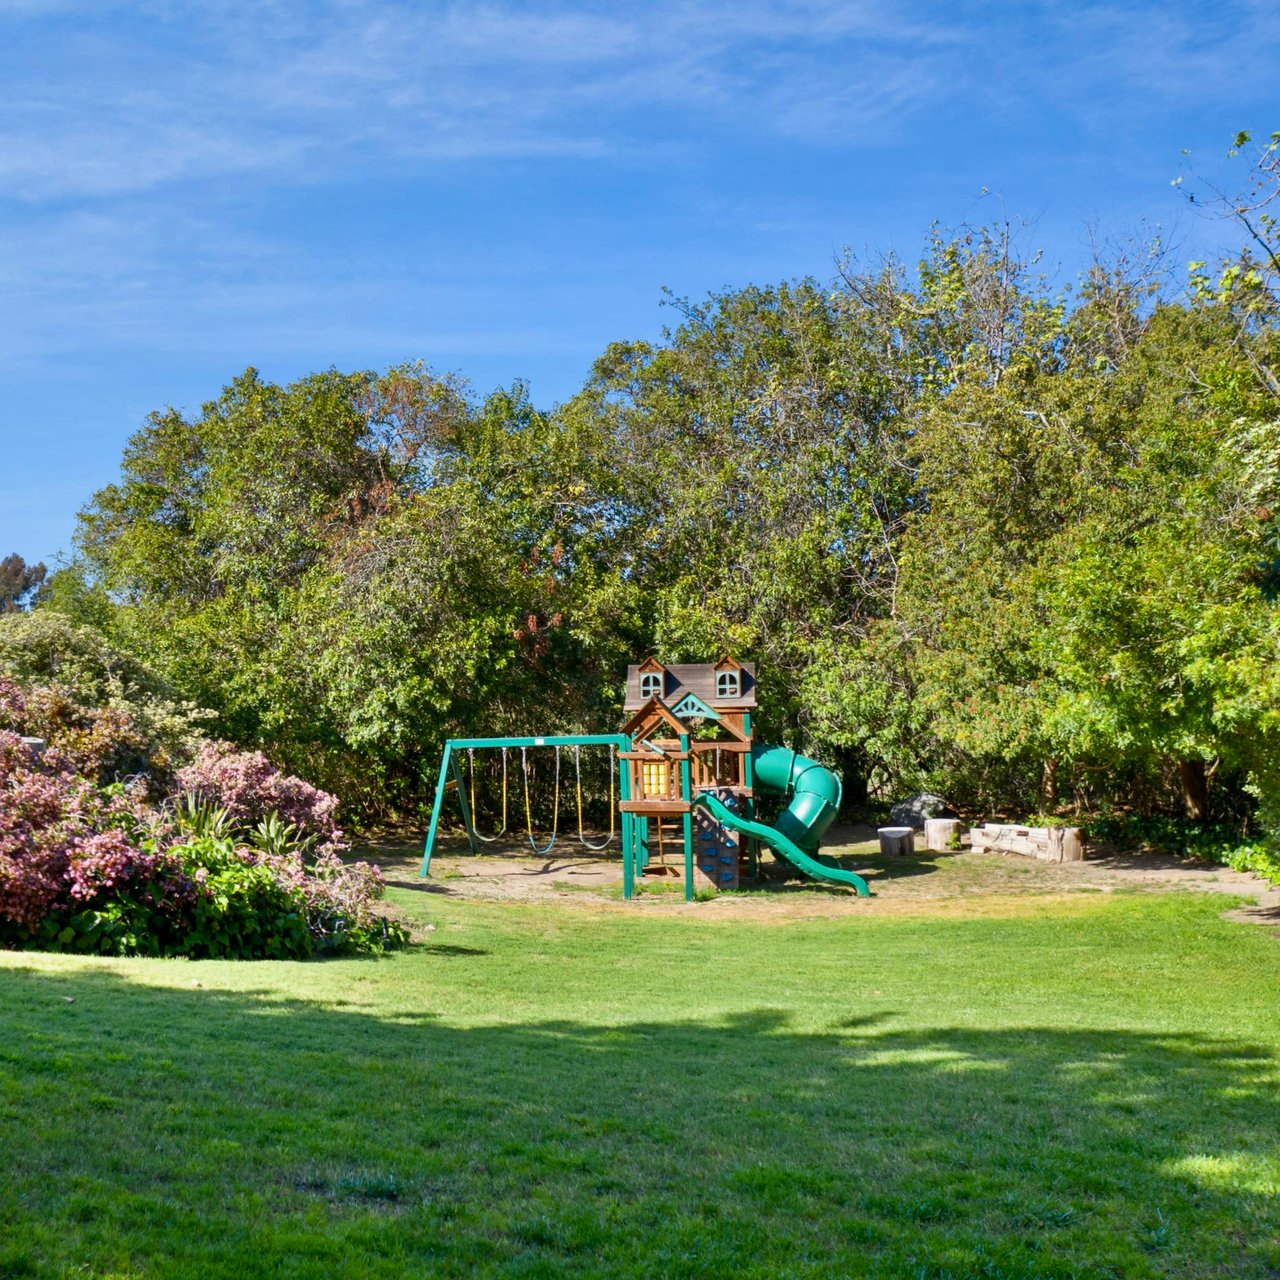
(555, 809)
(528, 808)
(471, 757)
(577, 768)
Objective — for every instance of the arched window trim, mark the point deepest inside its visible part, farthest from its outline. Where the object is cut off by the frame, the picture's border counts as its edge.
(728, 684)
(651, 685)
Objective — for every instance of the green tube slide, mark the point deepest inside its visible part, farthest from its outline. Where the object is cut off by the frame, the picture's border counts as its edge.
(815, 800)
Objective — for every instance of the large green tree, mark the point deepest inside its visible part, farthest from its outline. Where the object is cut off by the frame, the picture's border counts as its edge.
(976, 531)
(762, 444)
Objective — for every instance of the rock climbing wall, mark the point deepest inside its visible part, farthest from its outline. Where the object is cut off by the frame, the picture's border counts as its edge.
(715, 850)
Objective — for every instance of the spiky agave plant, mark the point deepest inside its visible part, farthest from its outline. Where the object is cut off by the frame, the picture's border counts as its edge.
(197, 817)
(274, 837)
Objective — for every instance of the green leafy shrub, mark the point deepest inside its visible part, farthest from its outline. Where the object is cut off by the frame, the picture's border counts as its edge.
(1213, 841)
(109, 714)
(243, 909)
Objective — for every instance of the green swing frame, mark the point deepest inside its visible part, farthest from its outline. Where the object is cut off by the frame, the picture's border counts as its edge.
(449, 769)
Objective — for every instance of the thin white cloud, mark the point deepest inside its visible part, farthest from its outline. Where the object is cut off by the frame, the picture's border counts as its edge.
(1115, 64)
(130, 133)
(307, 91)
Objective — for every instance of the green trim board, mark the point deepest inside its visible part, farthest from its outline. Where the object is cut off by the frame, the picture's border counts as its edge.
(691, 706)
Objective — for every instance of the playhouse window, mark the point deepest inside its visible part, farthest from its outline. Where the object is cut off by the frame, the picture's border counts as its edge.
(650, 685)
(727, 684)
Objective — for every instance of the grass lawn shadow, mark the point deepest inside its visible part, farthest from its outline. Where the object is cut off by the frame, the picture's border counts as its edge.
(167, 1132)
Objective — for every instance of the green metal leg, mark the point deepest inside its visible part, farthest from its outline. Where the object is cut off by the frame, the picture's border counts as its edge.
(628, 859)
(430, 845)
(467, 820)
(688, 857)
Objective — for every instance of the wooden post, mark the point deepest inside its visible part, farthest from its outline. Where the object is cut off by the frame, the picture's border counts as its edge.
(896, 841)
(939, 832)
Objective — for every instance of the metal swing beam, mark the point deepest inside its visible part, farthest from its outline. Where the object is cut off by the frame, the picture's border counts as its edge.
(449, 765)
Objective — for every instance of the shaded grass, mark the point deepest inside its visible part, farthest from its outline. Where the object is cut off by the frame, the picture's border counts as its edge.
(1089, 1089)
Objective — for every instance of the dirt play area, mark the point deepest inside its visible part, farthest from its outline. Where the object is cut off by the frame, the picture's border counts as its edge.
(923, 883)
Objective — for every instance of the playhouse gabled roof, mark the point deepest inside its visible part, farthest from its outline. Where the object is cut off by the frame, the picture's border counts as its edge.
(697, 678)
(653, 711)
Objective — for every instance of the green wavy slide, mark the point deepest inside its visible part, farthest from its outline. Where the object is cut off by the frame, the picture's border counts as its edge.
(815, 800)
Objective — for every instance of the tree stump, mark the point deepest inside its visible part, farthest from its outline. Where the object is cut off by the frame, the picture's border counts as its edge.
(895, 841)
(1066, 844)
(939, 833)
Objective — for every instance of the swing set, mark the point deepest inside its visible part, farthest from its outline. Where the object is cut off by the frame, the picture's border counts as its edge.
(451, 778)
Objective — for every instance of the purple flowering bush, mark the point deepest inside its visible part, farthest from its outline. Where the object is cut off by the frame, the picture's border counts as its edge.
(250, 789)
(69, 852)
(84, 868)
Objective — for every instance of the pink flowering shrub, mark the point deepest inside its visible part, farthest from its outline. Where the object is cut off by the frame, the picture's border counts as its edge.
(339, 895)
(12, 704)
(102, 863)
(90, 869)
(250, 788)
(61, 840)
(95, 741)
(40, 806)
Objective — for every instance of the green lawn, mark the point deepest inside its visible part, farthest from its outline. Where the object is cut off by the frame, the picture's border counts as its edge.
(1083, 1088)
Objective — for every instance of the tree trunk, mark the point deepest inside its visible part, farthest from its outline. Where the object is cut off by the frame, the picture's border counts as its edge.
(1195, 789)
(1049, 785)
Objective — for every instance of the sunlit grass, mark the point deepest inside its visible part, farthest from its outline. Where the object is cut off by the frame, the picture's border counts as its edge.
(1085, 1088)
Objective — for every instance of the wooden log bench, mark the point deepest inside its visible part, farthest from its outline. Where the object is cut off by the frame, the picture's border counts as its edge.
(1049, 844)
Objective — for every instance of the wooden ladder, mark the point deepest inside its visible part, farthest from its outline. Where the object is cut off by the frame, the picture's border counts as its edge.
(669, 830)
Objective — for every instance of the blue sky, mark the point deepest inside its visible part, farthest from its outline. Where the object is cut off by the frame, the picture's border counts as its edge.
(500, 189)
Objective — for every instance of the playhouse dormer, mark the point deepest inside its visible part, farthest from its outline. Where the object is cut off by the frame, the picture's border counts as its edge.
(652, 681)
(727, 685)
(728, 678)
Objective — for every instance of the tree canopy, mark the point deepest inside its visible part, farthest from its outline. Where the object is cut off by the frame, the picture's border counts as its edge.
(19, 582)
(979, 530)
